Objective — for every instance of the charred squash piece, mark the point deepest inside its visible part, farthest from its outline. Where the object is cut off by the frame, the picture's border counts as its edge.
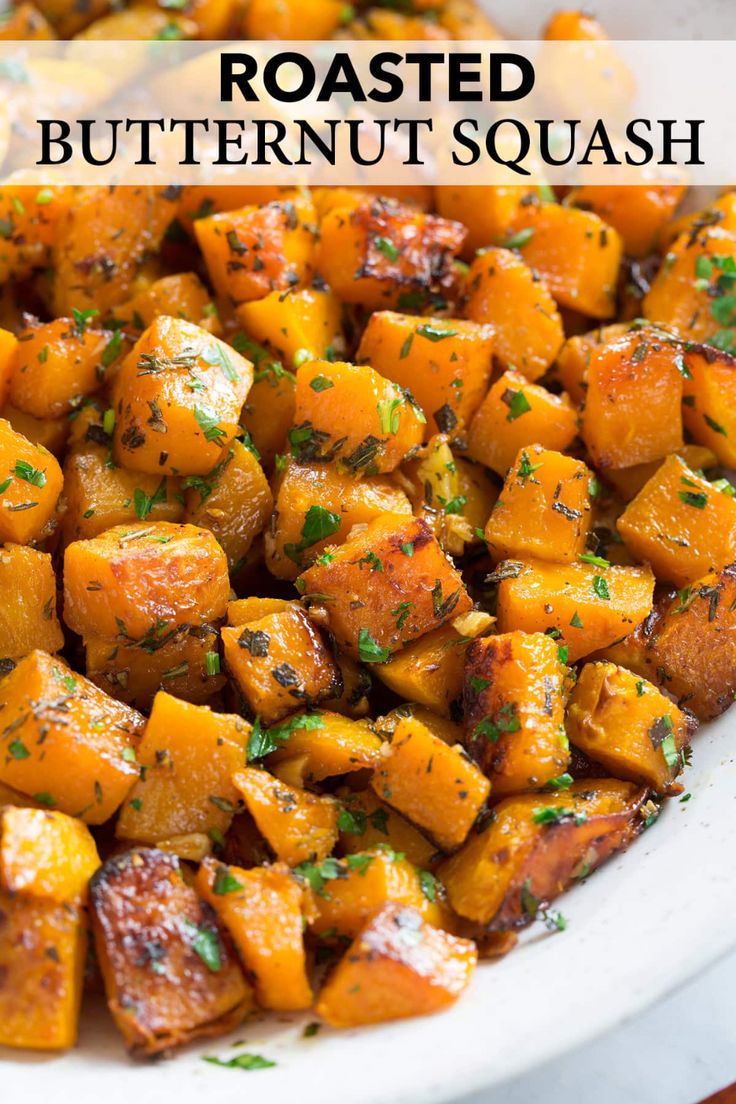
(515, 709)
(169, 971)
(535, 846)
(398, 966)
(64, 741)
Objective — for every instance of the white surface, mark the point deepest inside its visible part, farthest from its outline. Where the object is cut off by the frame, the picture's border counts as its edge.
(680, 1051)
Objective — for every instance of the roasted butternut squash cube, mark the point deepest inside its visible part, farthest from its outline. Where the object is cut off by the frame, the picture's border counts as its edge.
(432, 784)
(691, 293)
(515, 710)
(544, 508)
(242, 610)
(181, 295)
(347, 892)
(535, 846)
(187, 665)
(268, 413)
(720, 212)
(581, 606)
(30, 485)
(233, 501)
(303, 321)
(263, 909)
(101, 242)
(50, 433)
(709, 401)
(576, 254)
(146, 581)
(639, 212)
(318, 504)
(271, 19)
(628, 482)
(64, 742)
(571, 366)
(628, 726)
(351, 413)
(46, 855)
(514, 414)
(479, 491)
(385, 587)
(486, 210)
(280, 663)
(43, 949)
(28, 611)
(151, 930)
(255, 250)
(633, 401)
(331, 744)
(57, 364)
(500, 290)
(383, 255)
(681, 524)
(100, 495)
(299, 826)
(366, 822)
(430, 670)
(186, 756)
(177, 399)
(32, 215)
(444, 362)
(398, 966)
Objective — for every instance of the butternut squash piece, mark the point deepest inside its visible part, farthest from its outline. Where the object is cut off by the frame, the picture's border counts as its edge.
(486, 210)
(445, 363)
(430, 670)
(398, 966)
(576, 254)
(317, 505)
(535, 846)
(138, 22)
(255, 250)
(620, 427)
(516, 413)
(43, 949)
(544, 508)
(25, 23)
(356, 686)
(242, 610)
(385, 587)
(30, 485)
(583, 607)
(185, 664)
(268, 413)
(187, 756)
(430, 783)
(145, 581)
(330, 743)
(8, 356)
(299, 826)
(182, 295)
(64, 742)
(383, 255)
(272, 19)
(573, 359)
(46, 855)
(303, 321)
(501, 291)
(681, 524)
(32, 216)
(280, 663)
(233, 501)
(720, 212)
(49, 433)
(101, 243)
(177, 399)
(628, 726)
(28, 617)
(56, 365)
(639, 212)
(691, 292)
(573, 26)
(628, 482)
(709, 401)
(479, 491)
(100, 496)
(365, 822)
(515, 710)
(352, 413)
(347, 892)
(151, 930)
(263, 911)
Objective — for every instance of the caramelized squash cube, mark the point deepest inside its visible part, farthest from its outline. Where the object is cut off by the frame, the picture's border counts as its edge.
(709, 402)
(56, 364)
(28, 618)
(682, 297)
(299, 826)
(302, 321)
(330, 743)
(30, 485)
